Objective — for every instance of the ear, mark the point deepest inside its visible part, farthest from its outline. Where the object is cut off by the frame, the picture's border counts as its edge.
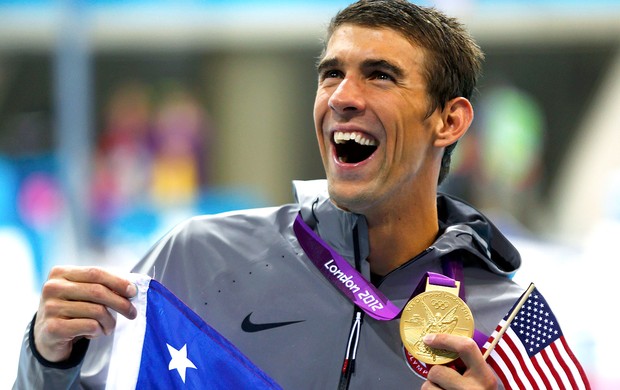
(457, 117)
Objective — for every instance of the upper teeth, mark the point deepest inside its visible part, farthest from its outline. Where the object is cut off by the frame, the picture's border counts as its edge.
(341, 137)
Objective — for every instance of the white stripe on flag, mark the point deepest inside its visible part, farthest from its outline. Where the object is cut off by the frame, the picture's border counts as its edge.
(128, 340)
(546, 371)
(570, 363)
(501, 365)
(558, 364)
(514, 356)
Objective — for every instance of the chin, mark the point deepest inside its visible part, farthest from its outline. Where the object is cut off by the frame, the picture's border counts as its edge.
(348, 198)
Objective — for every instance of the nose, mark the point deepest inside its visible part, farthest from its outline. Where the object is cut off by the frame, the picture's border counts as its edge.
(347, 98)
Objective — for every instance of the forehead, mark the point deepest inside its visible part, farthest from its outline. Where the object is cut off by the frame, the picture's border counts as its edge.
(354, 41)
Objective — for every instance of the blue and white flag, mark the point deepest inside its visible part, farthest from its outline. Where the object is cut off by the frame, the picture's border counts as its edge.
(168, 346)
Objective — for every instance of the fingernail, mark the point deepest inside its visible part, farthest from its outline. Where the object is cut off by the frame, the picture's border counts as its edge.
(427, 339)
(133, 312)
(132, 290)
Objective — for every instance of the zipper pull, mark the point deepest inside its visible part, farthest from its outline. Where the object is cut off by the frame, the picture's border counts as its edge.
(348, 366)
(354, 339)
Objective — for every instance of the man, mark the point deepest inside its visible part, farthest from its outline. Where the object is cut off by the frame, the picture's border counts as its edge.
(393, 96)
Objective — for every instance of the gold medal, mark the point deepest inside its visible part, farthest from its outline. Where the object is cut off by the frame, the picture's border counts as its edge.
(435, 311)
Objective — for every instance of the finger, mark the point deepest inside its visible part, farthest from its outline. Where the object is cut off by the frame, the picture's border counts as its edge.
(429, 385)
(97, 293)
(62, 287)
(466, 347)
(68, 330)
(54, 337)
(65, 310)
(443, 376)
(477, 370)
(95, 275)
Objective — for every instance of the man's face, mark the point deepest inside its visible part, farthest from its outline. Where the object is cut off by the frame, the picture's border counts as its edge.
(370, 117)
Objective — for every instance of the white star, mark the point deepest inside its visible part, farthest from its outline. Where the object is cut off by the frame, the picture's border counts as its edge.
(179, 360)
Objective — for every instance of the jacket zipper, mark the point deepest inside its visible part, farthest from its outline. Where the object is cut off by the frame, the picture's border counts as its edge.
(348, 365)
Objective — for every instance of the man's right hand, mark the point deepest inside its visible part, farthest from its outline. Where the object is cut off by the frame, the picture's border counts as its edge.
(74, 304)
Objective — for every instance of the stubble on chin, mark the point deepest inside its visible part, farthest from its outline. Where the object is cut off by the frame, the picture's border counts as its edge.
(354, 203)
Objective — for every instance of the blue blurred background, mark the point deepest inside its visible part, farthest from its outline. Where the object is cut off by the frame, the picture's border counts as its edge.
(118, 119)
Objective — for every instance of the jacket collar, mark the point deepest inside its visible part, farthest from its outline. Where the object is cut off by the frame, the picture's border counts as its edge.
(333, 224)
(461, 228)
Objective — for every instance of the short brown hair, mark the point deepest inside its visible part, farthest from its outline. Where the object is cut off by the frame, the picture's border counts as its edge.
(455, 60)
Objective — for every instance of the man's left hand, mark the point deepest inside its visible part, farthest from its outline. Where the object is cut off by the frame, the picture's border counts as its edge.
(477, 374)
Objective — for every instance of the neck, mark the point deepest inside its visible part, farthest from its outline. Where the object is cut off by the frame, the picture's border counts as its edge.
(397, 235)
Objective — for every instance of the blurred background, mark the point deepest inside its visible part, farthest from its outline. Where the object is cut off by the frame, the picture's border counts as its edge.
(119, 119)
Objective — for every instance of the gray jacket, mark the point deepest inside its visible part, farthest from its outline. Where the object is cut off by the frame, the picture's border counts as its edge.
(247, 267)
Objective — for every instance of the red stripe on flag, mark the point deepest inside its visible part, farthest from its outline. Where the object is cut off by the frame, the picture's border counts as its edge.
(491, 338)
(520, 357)
(564, 365)
(584, 378)
(541, 373)
(545, 356)
(498, 370)
(508, 361)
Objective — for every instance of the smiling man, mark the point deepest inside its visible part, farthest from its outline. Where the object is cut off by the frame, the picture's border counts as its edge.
(322, 293)
(382, 139)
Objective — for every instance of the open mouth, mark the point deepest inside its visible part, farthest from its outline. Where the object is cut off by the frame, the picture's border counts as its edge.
(353, 147)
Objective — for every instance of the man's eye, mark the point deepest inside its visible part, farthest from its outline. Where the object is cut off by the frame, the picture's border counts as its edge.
(331, 73)
(381, 76)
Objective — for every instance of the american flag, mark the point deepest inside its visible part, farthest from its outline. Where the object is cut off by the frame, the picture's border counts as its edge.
(532, 353)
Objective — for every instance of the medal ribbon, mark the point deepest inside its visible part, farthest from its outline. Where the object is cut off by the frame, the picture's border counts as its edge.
(354, 286)
(440, 280)
(341, 274)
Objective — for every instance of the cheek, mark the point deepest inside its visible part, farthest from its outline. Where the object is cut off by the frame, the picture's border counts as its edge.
(321, 100)
(320, 110)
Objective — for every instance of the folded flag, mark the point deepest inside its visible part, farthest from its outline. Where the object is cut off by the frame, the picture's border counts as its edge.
(168, 346)
(527, 350)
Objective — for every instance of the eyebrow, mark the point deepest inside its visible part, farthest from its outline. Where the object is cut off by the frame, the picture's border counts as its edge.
(368, 64)
(396, 70)
(327, 63)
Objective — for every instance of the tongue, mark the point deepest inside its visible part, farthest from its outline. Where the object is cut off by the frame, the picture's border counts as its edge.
(351, 152)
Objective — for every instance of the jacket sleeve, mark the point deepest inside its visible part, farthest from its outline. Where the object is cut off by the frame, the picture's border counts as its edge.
(89, 362)
(86, 367)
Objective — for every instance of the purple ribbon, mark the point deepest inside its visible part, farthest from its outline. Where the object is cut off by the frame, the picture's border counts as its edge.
(342, 275)
(454, 269)
(440, 280)
(354, 286)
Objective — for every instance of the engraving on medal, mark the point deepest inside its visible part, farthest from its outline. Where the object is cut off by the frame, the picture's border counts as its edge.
(434, 312)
